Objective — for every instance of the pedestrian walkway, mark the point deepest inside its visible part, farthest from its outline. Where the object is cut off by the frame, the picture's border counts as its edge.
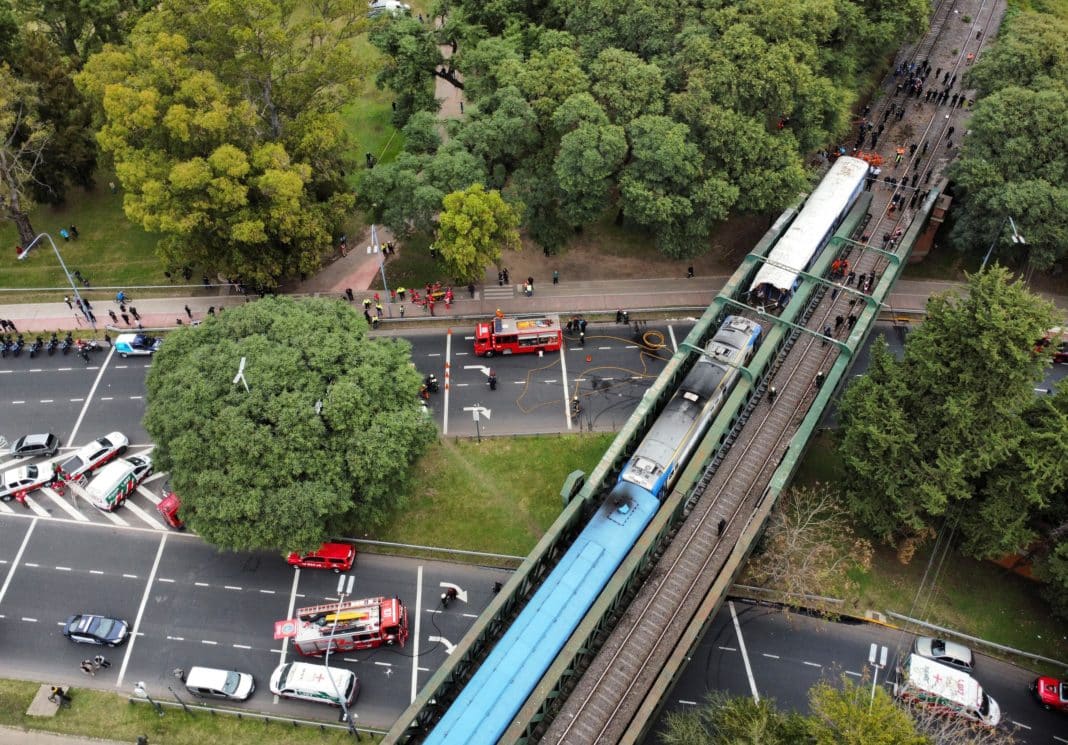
(600, 296)
(12, 736)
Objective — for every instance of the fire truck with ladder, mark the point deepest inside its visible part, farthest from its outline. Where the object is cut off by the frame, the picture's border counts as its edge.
(345, 626)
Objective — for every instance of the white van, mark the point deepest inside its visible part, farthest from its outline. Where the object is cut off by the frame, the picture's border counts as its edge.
(115, 481)
(932, 684)
(210, 681)
(307, 682)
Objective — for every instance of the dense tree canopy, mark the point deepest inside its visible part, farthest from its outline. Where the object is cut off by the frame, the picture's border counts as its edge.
(954, 429)
(222, 121)
(322, 438)
(80, 27)
(475, 225)
(669, 114)
(1012, 163)
(24, 138)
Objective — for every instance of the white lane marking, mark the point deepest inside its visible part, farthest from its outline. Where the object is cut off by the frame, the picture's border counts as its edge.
(604, 347)
(121, 367)
(461, 385)
(241, 646)
(424, 669)
(1059, 739)
(144, 515)
(85, 408)
(728, 649)
(233, 587)
(567, 394)
(165, 579)
(37, 509)
(18, 402)
(812, 664)
(29, 620)
(385, 664)
(63, 505)
(130, 576)
(113, 517)
(176, 638)
(107, 398)
(267, 592)
(209, 642)
(418, 618)
(687, 703)
(671, 333)
(76, 400)
(1021, 725)
(148, 494)
(63, 569)
(855, 675)
(5, 509)
(448, 385)
(201, 584)
(136, 398)
(771, 656)
(18, 558)
(144, 600)
(469, 615)
(95, 571)
(289, 614)
(745, 655)
(434, 354)
(46, 401)
(31, 564)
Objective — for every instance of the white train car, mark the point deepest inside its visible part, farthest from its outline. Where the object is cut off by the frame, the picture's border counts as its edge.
(803, 241)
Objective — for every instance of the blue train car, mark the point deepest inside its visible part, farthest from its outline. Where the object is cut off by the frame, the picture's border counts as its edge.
(504, 681)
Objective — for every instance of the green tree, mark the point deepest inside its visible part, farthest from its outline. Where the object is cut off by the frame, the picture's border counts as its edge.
(24, 138)
(852, 715)
(412, 60)
(1012, 165)
(665, 189)
(626, 86)
(938, 433)
(473, 228)
(1031, 52)
(320, 443)
(81, 27)
(222, 121)
(733, 721)
(421, 133)
(588, 159)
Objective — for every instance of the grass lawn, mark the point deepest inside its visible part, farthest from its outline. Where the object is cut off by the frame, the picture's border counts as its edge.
(976, 597)
(499, 495)
(109, 250)
(109, 715)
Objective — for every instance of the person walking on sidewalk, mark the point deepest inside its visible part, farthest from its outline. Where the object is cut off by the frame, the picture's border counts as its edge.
(556, 277)
(189, 313)
(66, 299)
(114, 318)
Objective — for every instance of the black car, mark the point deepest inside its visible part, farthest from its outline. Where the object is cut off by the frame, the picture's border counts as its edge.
(33, 445)
(86, 628)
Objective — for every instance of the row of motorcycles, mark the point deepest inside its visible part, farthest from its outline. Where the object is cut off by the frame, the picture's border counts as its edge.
(14, 346)
(430, 384)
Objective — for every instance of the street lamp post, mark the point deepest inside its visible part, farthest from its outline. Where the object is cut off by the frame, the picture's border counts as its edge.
(140, 690)
(1016, 238)
(73, 287)
(381, 266)
(342, 591)
(178, 699)
(878, 662)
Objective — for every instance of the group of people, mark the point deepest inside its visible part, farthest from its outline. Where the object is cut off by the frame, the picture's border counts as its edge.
(100, 662)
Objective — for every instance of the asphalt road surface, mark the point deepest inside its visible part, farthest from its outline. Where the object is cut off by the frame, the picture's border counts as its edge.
(759, 650)
(189, 604)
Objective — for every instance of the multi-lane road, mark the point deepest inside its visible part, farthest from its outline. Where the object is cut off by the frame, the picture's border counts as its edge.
(193, 605)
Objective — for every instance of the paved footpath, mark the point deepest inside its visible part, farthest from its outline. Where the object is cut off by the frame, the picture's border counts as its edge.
(12, 736)
(635, 295)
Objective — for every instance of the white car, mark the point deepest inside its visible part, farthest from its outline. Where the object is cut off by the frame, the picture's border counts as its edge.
(95, 454)
(393, 7)
(24, 478)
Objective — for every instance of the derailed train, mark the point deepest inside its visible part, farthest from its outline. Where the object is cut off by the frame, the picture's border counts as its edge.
(488, 703)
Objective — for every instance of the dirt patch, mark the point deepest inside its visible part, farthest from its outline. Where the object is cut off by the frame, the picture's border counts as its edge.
(604, 251)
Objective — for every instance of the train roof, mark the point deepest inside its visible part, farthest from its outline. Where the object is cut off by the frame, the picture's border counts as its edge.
(824, 205)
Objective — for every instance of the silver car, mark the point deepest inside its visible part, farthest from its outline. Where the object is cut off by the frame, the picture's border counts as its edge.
(948, 653)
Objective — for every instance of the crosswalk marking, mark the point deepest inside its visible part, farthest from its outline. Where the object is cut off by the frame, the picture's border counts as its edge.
(6, 509)
(32, 504)
(144, 515)
(147, 494)
(63, 504)
(113, 517)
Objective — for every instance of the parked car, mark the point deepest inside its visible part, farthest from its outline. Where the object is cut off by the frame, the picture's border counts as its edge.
(23, 479)
(307, 682)
(952, 654)
(168, 509)
(35, 445)
(210, 681)
(1051, 693)
(95, 454)
(392, 7)
(137, 344)
(337, 556)
(88, 628)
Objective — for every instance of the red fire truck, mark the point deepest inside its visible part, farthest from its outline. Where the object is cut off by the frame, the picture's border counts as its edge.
(360, 624)
(517, 335)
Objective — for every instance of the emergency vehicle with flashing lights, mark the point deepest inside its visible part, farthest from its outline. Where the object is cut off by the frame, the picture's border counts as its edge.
(346, 626)
(504, 335)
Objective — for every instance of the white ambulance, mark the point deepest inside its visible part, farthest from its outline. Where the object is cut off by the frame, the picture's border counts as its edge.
(928, 683)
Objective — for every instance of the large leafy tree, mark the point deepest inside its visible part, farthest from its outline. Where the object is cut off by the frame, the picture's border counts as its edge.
(222, 121)
(320, 442)
(942, 433)
(1012, 162)
(474, 227)
(81, 27)
(723, 720)
(850, 714)
(24, 139)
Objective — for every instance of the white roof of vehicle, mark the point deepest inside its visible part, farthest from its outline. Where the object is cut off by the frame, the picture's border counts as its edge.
(800, 241)
(944, 681)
